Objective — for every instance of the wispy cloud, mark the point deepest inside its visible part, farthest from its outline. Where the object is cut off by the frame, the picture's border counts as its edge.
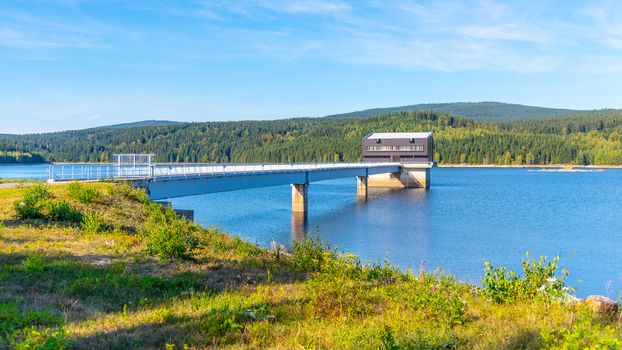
(504, 32)
(438, 35)
(20, 39)
(443, 35)
(307, 7)
(53, 28)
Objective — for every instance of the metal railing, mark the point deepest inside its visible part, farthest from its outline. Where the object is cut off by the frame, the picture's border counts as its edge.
(111, 172)
(253, 168)
(97, 172)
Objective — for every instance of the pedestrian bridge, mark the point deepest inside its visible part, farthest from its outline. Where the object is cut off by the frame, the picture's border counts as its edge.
(164, 181)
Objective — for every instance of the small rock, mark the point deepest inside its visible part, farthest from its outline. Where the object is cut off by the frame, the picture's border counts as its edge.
(100, 261)
(601, 304)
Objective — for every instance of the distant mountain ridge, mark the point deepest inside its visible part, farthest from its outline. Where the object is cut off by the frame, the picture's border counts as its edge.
(138, 124)
(485, 111)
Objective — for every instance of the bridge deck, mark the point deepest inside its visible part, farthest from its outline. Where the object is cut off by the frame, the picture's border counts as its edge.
(62, 172)
(174, 182)
(168, 181)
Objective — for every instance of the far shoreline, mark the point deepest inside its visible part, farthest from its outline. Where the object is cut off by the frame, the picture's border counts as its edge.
(522, 166)
(444, 165)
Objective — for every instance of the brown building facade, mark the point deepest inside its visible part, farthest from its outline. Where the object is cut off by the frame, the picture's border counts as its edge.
(403, 147)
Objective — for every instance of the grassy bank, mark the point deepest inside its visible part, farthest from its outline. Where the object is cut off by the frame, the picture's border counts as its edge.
(3, 181)
(99, 266)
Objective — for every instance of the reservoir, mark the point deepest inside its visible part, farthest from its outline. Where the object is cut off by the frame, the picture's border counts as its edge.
(468, 215)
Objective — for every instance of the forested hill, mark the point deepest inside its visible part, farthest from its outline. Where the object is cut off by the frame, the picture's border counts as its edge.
(140, 124)
(487, 111)
(13, 157)
(581, 139)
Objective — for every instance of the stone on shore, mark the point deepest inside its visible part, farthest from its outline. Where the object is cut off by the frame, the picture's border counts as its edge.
(601, 304)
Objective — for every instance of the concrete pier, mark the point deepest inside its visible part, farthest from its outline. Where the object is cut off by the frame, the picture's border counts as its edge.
(187, 214)
(361, 187)
(410, 176)
(300, 198)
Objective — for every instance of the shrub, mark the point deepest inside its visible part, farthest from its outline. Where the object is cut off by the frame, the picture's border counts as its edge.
(33, 203)
(94, 223)
(221, 321)
(538, 282)
(62, 211)
(135, 194)
(82, 193)
(171, 240)
(311, 254)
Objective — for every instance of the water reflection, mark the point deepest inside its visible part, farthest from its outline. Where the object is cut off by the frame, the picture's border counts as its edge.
(299, 226)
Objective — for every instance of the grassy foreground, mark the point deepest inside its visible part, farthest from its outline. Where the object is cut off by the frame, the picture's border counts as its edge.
(100, 267)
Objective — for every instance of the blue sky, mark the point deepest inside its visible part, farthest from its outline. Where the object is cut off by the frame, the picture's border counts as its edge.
(72, 64)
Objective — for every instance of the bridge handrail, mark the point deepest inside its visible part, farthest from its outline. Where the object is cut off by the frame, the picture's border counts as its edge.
(111, 172)
(245, 168)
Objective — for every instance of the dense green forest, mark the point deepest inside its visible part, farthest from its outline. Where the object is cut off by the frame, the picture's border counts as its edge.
(581, 138)
(12, 157)
(486, 111)
(140, 124)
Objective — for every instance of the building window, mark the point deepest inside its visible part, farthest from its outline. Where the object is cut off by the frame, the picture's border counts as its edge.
(416, 148)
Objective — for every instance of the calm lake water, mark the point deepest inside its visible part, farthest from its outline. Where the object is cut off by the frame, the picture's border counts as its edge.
(26, 172)
(468, 215)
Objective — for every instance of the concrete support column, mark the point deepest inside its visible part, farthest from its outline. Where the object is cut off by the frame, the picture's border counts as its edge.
(361, 186)
(299, 198)
(411, 176)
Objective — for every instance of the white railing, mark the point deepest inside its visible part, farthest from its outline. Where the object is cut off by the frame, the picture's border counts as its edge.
(97, 172)
(226, 169)
(111, 172)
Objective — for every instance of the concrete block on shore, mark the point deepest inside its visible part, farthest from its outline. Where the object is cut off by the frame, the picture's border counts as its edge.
(187, 214)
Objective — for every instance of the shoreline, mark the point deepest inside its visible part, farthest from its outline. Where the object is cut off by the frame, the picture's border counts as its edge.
(446, 165)
(525, 166)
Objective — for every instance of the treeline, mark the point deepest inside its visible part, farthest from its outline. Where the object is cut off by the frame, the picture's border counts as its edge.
(580, 139)
(485, 111)
(20, 158)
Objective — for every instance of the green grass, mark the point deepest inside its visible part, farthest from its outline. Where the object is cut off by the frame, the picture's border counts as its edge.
(149, 280)
(2, 181)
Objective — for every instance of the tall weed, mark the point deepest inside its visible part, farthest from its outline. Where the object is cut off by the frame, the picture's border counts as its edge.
(132, 193)
(62, 211)
(30, 330)
(91, 222)
(34, 265)
(539, 281)
(584, 333)
(311, 254)
(33, 203)
(176, 239)
(83, 193)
